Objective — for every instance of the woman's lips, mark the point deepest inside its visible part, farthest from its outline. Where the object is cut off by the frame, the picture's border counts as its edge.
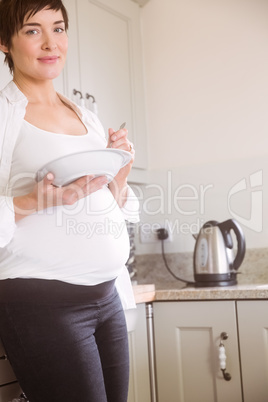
(48, 59)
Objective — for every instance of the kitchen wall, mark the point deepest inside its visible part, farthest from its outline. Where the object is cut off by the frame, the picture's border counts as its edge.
(206, 83)
(206, 88)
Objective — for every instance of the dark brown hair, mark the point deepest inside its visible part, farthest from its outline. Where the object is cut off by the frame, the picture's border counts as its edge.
(13, 14)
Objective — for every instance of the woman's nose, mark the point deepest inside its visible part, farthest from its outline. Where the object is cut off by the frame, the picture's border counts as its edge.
(49, 43)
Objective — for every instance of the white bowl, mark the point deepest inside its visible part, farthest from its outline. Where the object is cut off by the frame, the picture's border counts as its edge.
(104, 162)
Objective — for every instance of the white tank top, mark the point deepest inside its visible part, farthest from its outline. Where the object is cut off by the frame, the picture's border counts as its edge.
(83, 244)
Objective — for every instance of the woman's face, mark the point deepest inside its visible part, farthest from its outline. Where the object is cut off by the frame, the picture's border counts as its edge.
(39, 49)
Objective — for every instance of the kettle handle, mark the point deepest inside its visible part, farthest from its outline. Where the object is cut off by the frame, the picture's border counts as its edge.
(225, 228)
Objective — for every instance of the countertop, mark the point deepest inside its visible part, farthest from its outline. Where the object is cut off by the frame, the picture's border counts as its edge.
(147, 293)
(144, 293)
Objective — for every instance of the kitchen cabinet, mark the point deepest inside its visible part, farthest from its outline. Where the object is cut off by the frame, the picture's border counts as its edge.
(187, 338)
(105, 61)
(253, 340)
(9, 387)
(139, 384)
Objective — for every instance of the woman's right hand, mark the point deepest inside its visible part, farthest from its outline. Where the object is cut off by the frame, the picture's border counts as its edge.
(46, 195)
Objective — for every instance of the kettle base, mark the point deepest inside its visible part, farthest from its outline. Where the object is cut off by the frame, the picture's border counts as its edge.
(212, 284)
(215, 280)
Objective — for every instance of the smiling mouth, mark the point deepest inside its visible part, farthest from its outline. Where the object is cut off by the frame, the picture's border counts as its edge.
(49, 59)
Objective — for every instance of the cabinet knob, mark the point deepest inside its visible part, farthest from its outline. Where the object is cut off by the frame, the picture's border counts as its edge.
(4, 357)
(222, 357)
(75, 92)
(94, 106)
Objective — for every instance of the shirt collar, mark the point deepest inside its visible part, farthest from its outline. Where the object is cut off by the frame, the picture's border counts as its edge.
(13, 93)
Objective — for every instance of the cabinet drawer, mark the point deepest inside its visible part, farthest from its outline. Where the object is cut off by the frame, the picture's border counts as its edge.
(9, 392)
(6, 372)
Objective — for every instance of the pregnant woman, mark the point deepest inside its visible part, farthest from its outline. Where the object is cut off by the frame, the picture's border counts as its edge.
(61, 318)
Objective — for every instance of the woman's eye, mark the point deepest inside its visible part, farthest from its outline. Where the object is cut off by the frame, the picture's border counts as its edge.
(31, 32)
(59, 30)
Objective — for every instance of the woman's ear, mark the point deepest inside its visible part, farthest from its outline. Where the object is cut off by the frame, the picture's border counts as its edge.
(3, 48)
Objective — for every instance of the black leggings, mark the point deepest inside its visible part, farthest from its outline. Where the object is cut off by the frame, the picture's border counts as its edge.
(62, 345)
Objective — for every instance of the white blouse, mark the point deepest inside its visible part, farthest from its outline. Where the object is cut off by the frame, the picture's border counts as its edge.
(82, 244)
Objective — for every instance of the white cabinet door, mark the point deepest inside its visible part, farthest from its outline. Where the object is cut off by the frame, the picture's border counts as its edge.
(253, 338)
(71, 72)
(139, 384)
(105, 60)
(187, 337)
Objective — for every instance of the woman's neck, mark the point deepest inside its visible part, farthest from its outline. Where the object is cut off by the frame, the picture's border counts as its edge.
(42, 92)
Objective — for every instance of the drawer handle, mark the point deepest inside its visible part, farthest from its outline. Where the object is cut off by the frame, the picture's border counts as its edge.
(4, 357)
(75, 92)
(222, 357)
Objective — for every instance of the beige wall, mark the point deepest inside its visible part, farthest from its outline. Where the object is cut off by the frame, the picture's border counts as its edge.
(206, 81)
(206, 64)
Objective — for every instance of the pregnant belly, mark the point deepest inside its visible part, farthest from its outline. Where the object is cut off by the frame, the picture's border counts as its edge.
(92, 238)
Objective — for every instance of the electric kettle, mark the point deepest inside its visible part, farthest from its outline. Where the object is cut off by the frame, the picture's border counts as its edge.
(214, 261)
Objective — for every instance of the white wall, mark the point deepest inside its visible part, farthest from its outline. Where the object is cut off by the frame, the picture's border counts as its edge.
(187, 197)
(206, 66)
(206, 81)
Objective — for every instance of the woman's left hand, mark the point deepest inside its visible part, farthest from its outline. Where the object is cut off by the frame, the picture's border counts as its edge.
(118, 186)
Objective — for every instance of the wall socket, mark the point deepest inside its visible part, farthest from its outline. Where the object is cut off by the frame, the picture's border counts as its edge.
(148, 232)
